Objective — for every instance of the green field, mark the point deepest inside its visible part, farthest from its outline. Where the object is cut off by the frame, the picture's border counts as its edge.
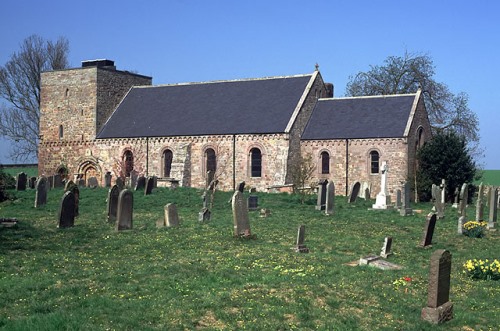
(490, 177)
(30, 171)
(198, 277)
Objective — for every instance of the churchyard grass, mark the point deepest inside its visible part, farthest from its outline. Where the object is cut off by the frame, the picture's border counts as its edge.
(29, 171)
(197, 276)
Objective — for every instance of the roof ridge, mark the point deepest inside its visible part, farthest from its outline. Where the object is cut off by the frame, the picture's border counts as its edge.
(372, 96)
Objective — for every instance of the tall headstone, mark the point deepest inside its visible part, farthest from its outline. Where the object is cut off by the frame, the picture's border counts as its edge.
(321, 201)
(439, 307)
(382, 198)
(356, 187)
(386, 249)
(112, 203)
(141, 183)
(430, 224)
(21, 182)
(456, 195)
(171, 215)
(330, 198)
(301, 234)
(480, 203)
(406, 209)
(240, 216)
(438, 203)
(124, 210)
(399, 201)
(443, 191)
(460, 226)
(148, 188)
(107, 179)
(464, 197)
(120, 183)
(66, 214)
(492, 217)
(41, 192)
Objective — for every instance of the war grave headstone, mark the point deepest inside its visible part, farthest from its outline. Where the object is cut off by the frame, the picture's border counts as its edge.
(66, 213)
(240, 216)
(330, 198)
(21, 181)
(41, 192)
(171, 215)
(107, 179)
(386, 248)
(92, 182)
(430, 224)
(76, 193)
(124, 210)
(32, 182)
(321, 201)
(148, 188)
(439, 307)
(492, 217)
(112, 203)
(299, 246)
(480, 203)
(381, 201)
(406, 209)
(356, 187)
(464, 197)
(141, 183)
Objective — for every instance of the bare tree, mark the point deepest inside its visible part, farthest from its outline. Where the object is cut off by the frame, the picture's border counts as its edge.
(20, 87)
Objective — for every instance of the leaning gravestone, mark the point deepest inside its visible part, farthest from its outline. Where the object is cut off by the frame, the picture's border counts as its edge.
(21, 181)
(386, 249)
(92, 182)
(240, 216)
(430, 224)
(492, 217)
(330, 198)
(41, 192)
(321, 201)
(148, 188)
(112, 203)
(241, 186)
(171, 215)
(141, 183)
(300, 247)
(439, 307)
(354, 192)
(67, 210)
(124, 210)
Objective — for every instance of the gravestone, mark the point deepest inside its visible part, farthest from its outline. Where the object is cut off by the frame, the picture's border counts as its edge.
(464, 197)
(480, 203)
(386, 249)
(41, 192)
(354, 192)
(438, 203)
(241, 187)
(171, 215)
(92, 182)
(430, 224)
(204, 215)
(439, 308)
(330, 198)
(155, 181)
(492, 217)
(134, 177)
(124, 210)
(68, 185)
(460, 226)
(443, 191)
(456, 197)
(381, 201)
(58, 181)
(399, 202)
(120, 183)
(50, 182)
(66, 213)
(107, 179)
(112, 203)
(300, 247)
(76, 193)
(321, 201)
(240, 216)
(148, 188)
(32, 182)
(141, 183)
(22, 180)
(253, 202)
(406, 208)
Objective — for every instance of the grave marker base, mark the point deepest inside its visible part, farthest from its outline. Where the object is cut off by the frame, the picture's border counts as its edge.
(438, 315)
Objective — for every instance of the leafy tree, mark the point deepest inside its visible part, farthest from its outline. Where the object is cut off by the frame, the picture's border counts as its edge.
(445, 156)
(302, 172)
(20, 87)
(408, 73)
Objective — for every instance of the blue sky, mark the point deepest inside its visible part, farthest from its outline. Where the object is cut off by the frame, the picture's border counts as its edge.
(186, 41)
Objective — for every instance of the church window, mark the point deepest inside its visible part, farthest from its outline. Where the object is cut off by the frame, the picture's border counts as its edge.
(325, 163)
(420, 137)
(210, 160)
(167, 162)
(61, 131)
(255, 162)
(128, 160)
(66, 94)
(374, 162)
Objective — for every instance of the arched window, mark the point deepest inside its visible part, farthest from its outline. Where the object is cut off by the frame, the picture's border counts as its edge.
(167, 162)
(211, 160)
(420, 138)
(374, 162)
(325, 163)
(128, 160)
(61, 131)
(255, 162)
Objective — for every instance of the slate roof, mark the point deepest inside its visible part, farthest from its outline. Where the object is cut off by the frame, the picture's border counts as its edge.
(359, 117)
(228, 107)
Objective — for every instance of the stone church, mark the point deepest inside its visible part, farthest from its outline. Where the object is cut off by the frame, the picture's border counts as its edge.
(96, 120)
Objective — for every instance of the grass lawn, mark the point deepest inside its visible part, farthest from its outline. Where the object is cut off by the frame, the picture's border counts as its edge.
(14, 171)
(490, 177)
(198, 277)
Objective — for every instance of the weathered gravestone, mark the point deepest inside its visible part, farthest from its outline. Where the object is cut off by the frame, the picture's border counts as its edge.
(253, 202)
(92, 182)
(124, 210)
(32, 182)
(58, 181)
(460, 226)
(386, 249)
(492, 218)
(443, 191)
(148, 188)
(68, 185)
(439, 308)
(354, 192)
(107, 179)
(21, 181)
(112, 203)
(241, 187)
(50, 182)
(41, 192)
(66, 214)
(321, 201)
(381, 201)
(464, 197)
(240, 216)
(456, 195)
(330, 198)
(141, 183)
(406, 208)
(300, 247)
(430, 224)
(438, 202)
(76, 193)
(399, 201)
(171, 215)
(480, 203)
(365, 191)
(120, 183)
(132, 180)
